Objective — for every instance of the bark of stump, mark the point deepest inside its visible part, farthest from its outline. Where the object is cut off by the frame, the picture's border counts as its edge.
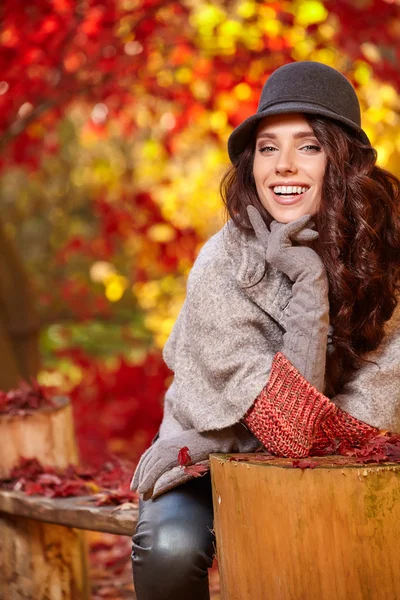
(306, 534)
(40, 560)
(47, 434)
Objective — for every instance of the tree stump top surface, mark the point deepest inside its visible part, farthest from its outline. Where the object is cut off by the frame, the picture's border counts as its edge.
(328, 531)
(57, 403)
(264, 459)
(78, 511)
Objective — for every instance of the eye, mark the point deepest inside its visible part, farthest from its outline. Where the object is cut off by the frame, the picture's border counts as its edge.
(264, 149)
(312, 147)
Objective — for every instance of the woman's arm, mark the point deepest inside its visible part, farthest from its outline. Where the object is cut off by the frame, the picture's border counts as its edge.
(372, 393)
(307, 323)
(370, 399)
(151, 475)
(222, 345)
(291, 416)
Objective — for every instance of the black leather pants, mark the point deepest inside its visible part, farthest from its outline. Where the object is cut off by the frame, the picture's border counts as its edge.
(173, 546)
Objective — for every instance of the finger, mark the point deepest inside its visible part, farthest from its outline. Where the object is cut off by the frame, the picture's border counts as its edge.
(280, 234)
(149, 456)
(148, 494)
(151, 477)
(286, 233)
(257, 222)
(134, 482)
(137, 474)
(306, 235)
(136, 478)
(160, 466)
(295, 226)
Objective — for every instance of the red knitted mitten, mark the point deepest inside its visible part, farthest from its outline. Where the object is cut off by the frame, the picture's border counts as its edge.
(342, 428)
(292, 418)
(287, 413)
(322, 444)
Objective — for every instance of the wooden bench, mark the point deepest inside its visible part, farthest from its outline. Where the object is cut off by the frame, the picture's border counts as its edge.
(80, 512)
(43, 552)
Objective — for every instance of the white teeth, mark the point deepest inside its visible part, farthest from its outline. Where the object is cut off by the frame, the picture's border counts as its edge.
(289, 189)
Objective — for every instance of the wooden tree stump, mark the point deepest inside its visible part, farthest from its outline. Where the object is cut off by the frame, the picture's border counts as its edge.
(47, 434)
(40, 561)
(331, 532)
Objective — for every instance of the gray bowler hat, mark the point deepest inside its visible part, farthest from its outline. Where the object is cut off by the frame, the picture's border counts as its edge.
(302, 87)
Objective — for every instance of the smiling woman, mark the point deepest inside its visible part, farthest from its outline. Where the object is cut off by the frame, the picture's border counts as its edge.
(289, 337)
(289, 166)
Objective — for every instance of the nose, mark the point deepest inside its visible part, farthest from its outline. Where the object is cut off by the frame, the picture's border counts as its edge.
(285, 162)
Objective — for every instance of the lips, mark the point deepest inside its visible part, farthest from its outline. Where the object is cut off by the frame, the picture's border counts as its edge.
(288, 200)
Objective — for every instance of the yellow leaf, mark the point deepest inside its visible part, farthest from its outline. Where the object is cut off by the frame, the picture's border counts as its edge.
(310, 12)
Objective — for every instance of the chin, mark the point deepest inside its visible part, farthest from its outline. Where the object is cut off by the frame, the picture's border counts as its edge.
(289, 214)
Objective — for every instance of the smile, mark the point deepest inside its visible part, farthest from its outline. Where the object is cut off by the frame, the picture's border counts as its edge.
(289, 196)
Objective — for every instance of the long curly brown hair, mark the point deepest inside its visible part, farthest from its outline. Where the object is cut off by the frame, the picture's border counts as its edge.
(358, 222)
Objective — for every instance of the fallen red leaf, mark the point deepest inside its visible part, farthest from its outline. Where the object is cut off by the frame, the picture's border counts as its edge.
(381, 448)
(116, 498)
(32, 488)
(184, 456)
(48, 478)
(111, 482)
(196, 470)
(25, 399)
(303, 464)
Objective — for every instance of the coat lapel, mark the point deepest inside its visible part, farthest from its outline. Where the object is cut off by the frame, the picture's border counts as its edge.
(265, 285)
(272, 294)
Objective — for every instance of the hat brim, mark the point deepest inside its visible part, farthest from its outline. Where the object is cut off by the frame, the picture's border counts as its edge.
(241, 136)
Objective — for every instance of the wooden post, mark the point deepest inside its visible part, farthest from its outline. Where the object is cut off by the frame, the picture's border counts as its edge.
(331, 532)
(46, 434)
(40, 560)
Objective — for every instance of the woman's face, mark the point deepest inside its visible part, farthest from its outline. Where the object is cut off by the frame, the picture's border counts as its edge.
(289, 166)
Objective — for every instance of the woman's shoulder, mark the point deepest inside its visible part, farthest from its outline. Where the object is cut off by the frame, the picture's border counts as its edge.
(220, 254)
(229, 254)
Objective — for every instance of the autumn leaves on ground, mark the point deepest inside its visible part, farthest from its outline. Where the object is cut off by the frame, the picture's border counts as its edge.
(114, 117)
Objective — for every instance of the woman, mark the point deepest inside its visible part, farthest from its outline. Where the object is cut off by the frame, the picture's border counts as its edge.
(289, 337)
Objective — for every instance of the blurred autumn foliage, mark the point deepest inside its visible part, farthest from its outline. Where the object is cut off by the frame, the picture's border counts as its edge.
(114, 117)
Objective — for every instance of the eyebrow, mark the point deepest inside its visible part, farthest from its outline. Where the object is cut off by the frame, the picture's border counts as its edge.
(297, 135)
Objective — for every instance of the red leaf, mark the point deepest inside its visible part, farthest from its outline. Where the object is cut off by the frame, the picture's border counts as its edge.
(48, 479)
(184, 456)
(303, 464)
(196, 470)
(32, 489)
(24, 399)
(108, 498)
(381, 448)
(33, 478)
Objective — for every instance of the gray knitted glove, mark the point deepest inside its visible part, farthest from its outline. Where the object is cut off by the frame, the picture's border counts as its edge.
(305, 341)
(163, 454)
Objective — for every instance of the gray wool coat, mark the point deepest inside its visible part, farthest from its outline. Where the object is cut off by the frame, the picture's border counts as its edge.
(229, 329)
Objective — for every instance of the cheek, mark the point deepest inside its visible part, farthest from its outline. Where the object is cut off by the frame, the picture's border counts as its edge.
(259, 172)
(255, 170)
(321, 171)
